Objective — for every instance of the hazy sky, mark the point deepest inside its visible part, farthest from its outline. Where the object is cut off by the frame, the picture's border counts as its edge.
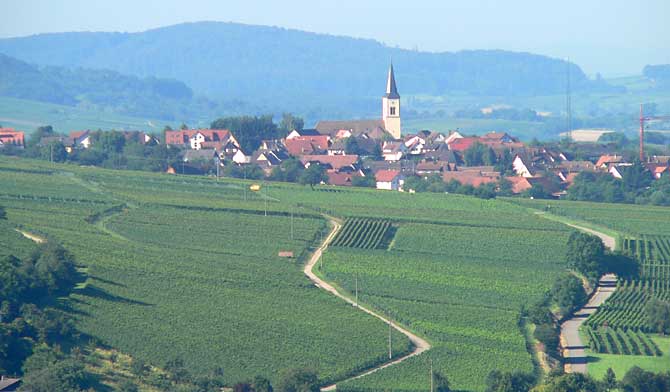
(613, 37)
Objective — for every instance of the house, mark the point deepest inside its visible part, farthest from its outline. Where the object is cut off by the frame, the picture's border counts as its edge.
(425, 168)
(391, 180)
(140, 137)
(343, 178)
(519, 184)
(11, 137)
(343, 134)
(80, 139)
(442, 154)
(307, 145)
(338, 147)
(302, 132)
(393, 150)
(268, 159)
(522, 166)
(658, 170)
(373, 128)
(605, 160)
(462, 144)
(8, 384)
(196, 139)
(340, 163)
(200, 155)
(452, 137)
(497, 137)
(471, 177)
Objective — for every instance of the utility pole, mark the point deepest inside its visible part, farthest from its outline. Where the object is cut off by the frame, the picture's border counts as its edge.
(390, 350)
(644, 119)
(431, 375)
(568, 101)
(356, 304)
(291, 223)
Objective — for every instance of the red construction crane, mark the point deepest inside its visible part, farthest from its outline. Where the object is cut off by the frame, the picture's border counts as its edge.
(644, 119)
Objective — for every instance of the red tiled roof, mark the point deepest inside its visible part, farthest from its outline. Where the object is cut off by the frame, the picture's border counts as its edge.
(462, 144)
(306, 145)
(469, 178)
(341, 179)
(609, 159)
(386, 175)
(78, 134)
(519, 184)
(335, 161)
(10, 136)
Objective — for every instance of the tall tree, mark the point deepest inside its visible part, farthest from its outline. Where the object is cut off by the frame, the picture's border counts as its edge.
(289, 122)
(249, 131)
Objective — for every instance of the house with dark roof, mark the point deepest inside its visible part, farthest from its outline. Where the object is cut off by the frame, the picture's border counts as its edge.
(197, 139)
(302, 132)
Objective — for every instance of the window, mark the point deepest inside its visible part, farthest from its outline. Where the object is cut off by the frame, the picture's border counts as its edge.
(392, 111)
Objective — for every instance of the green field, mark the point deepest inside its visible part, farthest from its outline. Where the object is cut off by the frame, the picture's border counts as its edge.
(189, 267)
(599, 363)
(27, 115)
(460, 286)
(168, 277)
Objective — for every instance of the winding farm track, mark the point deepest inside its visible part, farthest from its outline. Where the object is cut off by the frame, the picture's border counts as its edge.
(574, 352)
(420, 345)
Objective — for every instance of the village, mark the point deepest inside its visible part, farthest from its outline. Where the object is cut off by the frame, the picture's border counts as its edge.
(376, 153)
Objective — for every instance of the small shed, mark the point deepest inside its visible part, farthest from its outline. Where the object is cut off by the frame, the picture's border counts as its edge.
(286, 253)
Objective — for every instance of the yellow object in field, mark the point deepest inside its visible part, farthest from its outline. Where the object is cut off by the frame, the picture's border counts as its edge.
(255, 187)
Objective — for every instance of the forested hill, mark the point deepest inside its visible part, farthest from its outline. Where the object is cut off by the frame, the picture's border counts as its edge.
(265, 64)
(105, 90)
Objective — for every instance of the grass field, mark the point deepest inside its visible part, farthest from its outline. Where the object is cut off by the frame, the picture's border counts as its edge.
(599, 363)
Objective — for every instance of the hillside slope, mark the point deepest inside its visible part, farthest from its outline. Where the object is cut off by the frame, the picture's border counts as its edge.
(267, 63)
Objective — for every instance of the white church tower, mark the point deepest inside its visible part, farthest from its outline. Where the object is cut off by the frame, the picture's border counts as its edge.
(391, 106)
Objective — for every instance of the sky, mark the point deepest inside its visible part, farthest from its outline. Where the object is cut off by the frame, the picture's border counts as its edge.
(612, 37)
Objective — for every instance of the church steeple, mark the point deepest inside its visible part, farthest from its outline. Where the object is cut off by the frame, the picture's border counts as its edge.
(391, 106)
(391, 89)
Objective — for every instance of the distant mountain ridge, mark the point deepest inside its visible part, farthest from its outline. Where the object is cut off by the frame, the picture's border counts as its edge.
(103, 89)
(273, 66)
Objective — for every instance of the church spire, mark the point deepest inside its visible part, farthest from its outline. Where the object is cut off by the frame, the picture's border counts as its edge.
(391, 89)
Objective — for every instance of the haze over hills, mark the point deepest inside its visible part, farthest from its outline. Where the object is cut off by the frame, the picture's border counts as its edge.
(282, 68)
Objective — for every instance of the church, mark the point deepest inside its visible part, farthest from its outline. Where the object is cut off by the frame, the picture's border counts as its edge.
(376, 129)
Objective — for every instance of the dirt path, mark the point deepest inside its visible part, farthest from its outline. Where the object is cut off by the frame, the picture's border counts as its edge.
(573, 348)
(420, 345)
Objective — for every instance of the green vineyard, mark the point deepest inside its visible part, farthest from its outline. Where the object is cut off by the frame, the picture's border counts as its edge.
(625, 308)
(653, 252)
(364, 233)
(621, 341)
